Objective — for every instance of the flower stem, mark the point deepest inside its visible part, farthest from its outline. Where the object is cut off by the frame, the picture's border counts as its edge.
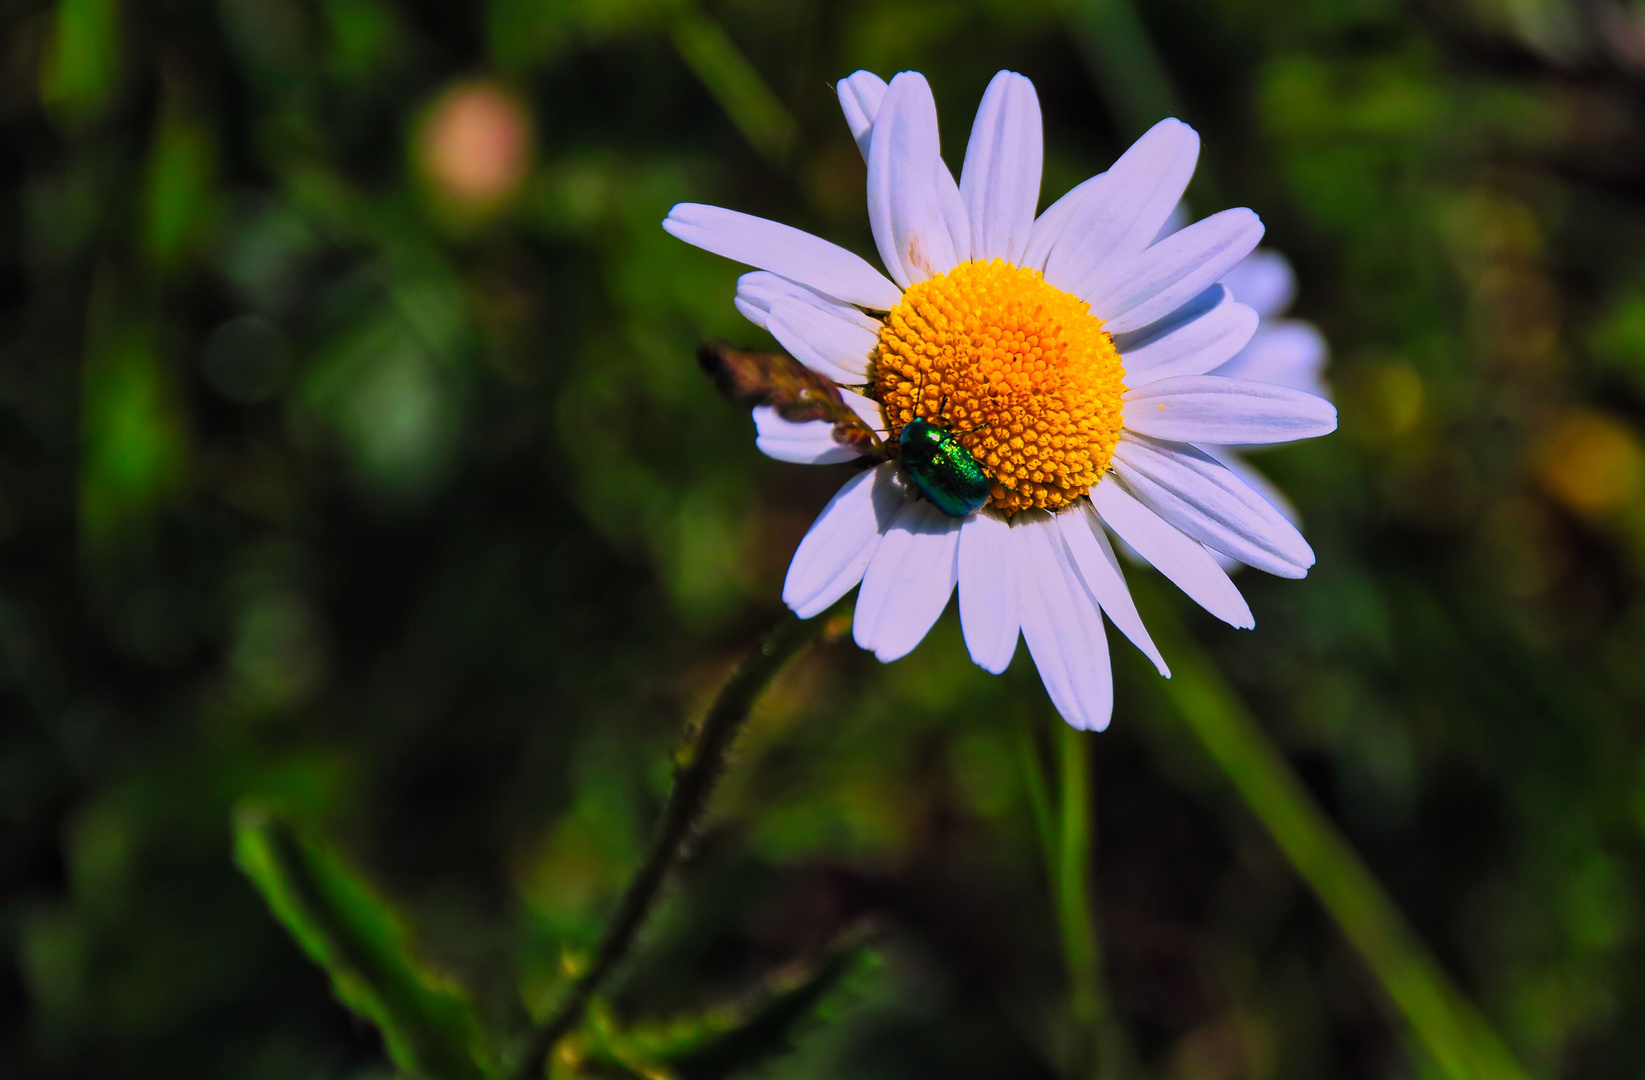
(1073, 879)
(1443, 1022)
(1096, 1044)
(694, 780)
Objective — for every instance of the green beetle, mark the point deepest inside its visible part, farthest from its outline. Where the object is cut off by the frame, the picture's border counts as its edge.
(943, 469)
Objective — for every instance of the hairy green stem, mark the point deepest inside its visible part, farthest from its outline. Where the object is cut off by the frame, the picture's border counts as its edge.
(1443, 1022)
(694, 781)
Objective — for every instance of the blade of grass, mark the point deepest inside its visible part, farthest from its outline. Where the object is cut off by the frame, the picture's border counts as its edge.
(1443, 1022)
(715, 59)
(1123, 62)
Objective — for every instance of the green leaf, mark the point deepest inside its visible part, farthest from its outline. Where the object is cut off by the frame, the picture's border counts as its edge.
(428, 1025)
(81, 66)
(135, 448)
(180, 202)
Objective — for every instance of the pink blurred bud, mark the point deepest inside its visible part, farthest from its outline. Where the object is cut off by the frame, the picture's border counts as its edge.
(475, 145)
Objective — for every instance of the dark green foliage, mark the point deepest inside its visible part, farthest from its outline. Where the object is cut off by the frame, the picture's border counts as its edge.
(326, 482)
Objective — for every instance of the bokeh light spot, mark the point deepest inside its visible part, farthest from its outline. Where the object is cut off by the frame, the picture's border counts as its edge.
(475, 146)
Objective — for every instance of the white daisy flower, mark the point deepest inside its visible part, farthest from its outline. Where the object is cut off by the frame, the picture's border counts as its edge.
(1290, 352)
(1286, 352)
(1064, 359)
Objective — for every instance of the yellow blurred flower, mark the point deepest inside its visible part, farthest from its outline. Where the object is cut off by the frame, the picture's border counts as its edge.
(1591, 462)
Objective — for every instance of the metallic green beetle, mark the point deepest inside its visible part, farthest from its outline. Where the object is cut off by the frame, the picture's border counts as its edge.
(943, 469)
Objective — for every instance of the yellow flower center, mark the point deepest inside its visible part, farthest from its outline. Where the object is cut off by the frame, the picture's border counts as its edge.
(1021, 372)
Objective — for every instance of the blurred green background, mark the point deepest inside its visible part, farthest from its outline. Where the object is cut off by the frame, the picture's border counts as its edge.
(354, 460)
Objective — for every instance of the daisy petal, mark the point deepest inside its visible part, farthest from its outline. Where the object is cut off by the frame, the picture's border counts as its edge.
(1190, 490)
(1265, 281)
(831, 559)
(1000, 182)
(1288, 352)
(1049, 225)
(1230, 460)
(809, 442)
(908, 582)
(1187, 563)
(1062, 625)
(1233, 412)
(1119, 219)
(796, 255)
(954, 213)
(988, 592)
(1094, 559)
(861, 93)
(861, 97)
(905, 206)
(1194, 339)
(758, 290)
(1131, 293)
(1175, 221)
(866, 408)
(822, 342)
(797, 343)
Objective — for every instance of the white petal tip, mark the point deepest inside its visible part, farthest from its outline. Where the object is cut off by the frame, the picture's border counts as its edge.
(1292, 571)
(1186, 138)
(891, 653)
(804, 611)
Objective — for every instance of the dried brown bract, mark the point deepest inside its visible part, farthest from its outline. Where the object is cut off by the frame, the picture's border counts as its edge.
(753, 377)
